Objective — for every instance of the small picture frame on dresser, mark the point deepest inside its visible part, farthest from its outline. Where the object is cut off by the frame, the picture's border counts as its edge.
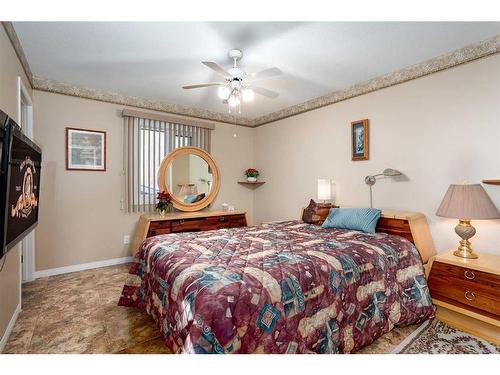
(359, 140)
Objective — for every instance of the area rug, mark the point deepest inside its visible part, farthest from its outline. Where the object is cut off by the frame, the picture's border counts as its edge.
(437, 337)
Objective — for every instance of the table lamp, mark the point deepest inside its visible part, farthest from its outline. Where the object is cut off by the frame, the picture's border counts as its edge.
(324, 189)
(466, 202)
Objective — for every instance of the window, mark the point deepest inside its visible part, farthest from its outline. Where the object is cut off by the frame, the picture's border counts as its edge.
(147, 142)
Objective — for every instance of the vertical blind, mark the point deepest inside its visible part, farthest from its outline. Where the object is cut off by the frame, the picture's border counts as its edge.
(147, 141)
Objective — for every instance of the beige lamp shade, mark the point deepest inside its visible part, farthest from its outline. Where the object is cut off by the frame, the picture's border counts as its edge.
(467, 202)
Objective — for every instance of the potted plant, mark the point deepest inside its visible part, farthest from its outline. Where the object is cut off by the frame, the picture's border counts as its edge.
(252, 174)
(164, 204)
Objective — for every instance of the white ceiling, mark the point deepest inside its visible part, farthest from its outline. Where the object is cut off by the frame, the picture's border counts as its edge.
(153, 60)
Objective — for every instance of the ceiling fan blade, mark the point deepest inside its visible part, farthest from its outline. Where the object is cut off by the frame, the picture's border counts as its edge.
(219, 69)
(265, 92)
(203, 85)
(266, 73)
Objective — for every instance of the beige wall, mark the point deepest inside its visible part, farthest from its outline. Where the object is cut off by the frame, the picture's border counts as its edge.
(80, 216)
(10, 277)
(440, 129)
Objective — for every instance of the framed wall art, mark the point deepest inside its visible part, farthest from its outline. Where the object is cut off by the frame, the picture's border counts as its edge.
(85, 150)
(359, 140)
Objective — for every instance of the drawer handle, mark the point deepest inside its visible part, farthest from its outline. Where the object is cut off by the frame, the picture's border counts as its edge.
(181, 221)
(470, 275)
(222, 218)
(470, 296)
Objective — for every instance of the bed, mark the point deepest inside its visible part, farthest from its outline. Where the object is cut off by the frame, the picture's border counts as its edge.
(283, 287)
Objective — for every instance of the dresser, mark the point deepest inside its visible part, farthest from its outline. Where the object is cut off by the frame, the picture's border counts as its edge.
(177, 222)
(467, 293)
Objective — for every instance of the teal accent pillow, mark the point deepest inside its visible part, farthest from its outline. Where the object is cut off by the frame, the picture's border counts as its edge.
(189, 198)
(363, 219)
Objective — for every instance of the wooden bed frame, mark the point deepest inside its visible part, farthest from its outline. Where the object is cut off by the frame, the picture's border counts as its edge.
(410, 225)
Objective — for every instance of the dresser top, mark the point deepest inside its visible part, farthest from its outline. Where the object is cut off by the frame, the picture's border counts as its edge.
(485, 262)
(189, 215)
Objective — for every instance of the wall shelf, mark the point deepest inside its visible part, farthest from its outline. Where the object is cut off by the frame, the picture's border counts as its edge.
(492, 182)
(255, 184)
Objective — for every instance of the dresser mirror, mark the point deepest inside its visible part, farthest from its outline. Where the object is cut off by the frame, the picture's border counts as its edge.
(191, 177)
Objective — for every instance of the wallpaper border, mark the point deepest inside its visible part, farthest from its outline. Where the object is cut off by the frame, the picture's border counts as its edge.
(16, 44)
(461, 56)
(57, 87)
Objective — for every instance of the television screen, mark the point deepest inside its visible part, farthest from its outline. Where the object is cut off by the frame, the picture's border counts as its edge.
(23, 188)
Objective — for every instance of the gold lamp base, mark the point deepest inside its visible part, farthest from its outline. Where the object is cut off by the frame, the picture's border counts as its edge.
(466, 231)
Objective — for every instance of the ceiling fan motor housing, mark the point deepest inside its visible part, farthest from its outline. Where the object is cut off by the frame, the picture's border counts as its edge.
(235, 54)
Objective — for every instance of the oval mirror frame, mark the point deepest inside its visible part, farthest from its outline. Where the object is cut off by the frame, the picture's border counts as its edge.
(162, 172)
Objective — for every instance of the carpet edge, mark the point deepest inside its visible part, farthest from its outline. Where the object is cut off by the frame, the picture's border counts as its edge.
(410, 338)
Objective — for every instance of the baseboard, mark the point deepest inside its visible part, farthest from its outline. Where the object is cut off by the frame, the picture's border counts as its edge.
(82, 267)
(10, 327)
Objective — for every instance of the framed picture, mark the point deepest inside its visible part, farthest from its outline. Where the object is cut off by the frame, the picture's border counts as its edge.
(85, 150)
(359, 140)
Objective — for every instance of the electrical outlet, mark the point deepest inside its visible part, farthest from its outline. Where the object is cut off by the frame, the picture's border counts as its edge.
(126, 240)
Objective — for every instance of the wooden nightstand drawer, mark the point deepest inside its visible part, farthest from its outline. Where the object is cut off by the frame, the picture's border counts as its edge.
(449, 274)
(467, 293)
(464, 286)
(470, 297)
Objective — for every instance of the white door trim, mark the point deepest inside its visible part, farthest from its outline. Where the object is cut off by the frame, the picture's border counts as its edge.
(28, 242)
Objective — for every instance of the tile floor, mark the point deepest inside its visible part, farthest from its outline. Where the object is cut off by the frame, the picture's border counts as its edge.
(78, 313)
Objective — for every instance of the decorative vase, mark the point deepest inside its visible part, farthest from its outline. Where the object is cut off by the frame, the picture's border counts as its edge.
(252, 179)
(162, 212)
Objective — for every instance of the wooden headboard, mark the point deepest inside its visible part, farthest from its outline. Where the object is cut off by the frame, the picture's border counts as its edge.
(410, 225)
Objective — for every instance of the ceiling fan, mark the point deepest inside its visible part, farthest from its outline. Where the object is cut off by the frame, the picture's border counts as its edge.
(238, 86)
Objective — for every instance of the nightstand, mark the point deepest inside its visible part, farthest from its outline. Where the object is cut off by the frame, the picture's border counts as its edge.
(467, 293)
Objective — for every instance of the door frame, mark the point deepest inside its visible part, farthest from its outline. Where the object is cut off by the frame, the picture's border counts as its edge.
(28, 242)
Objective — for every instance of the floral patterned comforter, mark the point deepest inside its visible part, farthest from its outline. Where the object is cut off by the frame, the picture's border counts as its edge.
(285, 287)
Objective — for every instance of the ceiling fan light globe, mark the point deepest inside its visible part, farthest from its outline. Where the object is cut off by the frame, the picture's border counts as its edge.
(248, 95)
(224, 92)
(233, 100)
(235, 84)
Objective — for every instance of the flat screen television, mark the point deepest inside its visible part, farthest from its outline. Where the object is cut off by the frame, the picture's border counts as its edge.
(19, 184)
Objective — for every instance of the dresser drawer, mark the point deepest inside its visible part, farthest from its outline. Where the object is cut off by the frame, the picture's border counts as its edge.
(479, 290)
(157, 228)
(187, 225)
(226, 221)
(217, 220)
(238, 221)
(154, 225)
(158, 231)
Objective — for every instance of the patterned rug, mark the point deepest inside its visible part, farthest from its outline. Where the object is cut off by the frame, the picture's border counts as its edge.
(437, 337)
